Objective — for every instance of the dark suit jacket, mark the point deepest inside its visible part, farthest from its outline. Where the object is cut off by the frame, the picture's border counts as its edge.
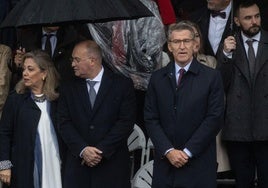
(67, 37)
(18, 129)
(246, 99)
(202, 18)
(106, 126)
(185, 117)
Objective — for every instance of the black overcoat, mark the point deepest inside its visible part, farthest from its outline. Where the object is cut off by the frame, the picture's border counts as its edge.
(246, 113)
(106, 127)
(185, 117)
(18, 128)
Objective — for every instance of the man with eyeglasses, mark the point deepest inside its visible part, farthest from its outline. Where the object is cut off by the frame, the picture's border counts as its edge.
(96, 116)
(183, 112)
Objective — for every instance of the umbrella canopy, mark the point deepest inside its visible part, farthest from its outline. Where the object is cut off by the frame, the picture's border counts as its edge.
(32, 12)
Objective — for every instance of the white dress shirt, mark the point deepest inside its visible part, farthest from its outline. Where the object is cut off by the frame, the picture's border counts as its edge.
(216, 28)
(96, 87)
(256, 39)
(53, 40)
(98, 81)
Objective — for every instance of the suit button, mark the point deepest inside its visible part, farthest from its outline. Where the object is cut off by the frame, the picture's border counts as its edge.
(91, 127)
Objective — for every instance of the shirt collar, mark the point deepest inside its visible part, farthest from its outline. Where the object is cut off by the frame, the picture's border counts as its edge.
(186, 68)
(51, 33)
(255, 37)
(98, 77)
(227, 11)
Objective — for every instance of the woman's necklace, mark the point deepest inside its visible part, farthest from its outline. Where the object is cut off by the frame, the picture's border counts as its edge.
(39, 98)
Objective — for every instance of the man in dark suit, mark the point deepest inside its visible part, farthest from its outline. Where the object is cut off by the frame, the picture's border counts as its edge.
(244, 66)
(95, 122)
(61, 42)
(215, 22)
(183, 117)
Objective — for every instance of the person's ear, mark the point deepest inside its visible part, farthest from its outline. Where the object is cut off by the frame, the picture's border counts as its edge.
(44, 75)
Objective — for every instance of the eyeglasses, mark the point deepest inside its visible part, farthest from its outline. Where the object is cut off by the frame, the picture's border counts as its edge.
(78, 60)
(186, 42)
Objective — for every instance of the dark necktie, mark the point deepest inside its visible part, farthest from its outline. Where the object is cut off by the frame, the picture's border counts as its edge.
(48, 46)
(181, 72)
(92, 92)
(218, 13)
(251, 57)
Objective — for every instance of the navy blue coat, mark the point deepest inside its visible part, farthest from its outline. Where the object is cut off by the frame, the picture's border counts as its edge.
(106, 126)
(18, 129)
(185, 117)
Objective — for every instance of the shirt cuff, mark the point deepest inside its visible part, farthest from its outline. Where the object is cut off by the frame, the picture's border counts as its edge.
(5, 165)
(228, 54)
(188, 152)
(168, 151)
(80, 155)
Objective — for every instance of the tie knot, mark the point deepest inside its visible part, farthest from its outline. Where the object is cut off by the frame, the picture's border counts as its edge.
(218, 13)
(182, 71)
(250, 41)
(48, 35)
(91, 83)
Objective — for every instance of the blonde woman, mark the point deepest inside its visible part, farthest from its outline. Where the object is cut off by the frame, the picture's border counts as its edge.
(29, 148)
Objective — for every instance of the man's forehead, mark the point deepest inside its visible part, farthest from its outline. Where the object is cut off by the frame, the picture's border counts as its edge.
(183, 32)
(249, 10)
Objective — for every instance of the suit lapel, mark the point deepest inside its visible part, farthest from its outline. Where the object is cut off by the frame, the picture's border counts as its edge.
(194, 67)
(260, 58)
(242, 60)
(171, 76)
(204, 26)
(227, 31)
(82, 92)
(106, 84)
(34, 112)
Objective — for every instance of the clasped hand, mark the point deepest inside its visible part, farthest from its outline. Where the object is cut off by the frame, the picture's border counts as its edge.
(91, 156)
(177, 158)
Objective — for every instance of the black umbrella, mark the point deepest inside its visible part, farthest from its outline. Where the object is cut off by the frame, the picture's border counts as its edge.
(32, 12)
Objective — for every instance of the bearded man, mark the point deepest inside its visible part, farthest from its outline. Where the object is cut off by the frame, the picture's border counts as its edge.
(244, 67)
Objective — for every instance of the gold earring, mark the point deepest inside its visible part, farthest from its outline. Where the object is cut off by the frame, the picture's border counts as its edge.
(43, 78)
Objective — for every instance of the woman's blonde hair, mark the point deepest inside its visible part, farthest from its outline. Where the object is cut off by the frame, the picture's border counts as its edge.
(51, 82)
